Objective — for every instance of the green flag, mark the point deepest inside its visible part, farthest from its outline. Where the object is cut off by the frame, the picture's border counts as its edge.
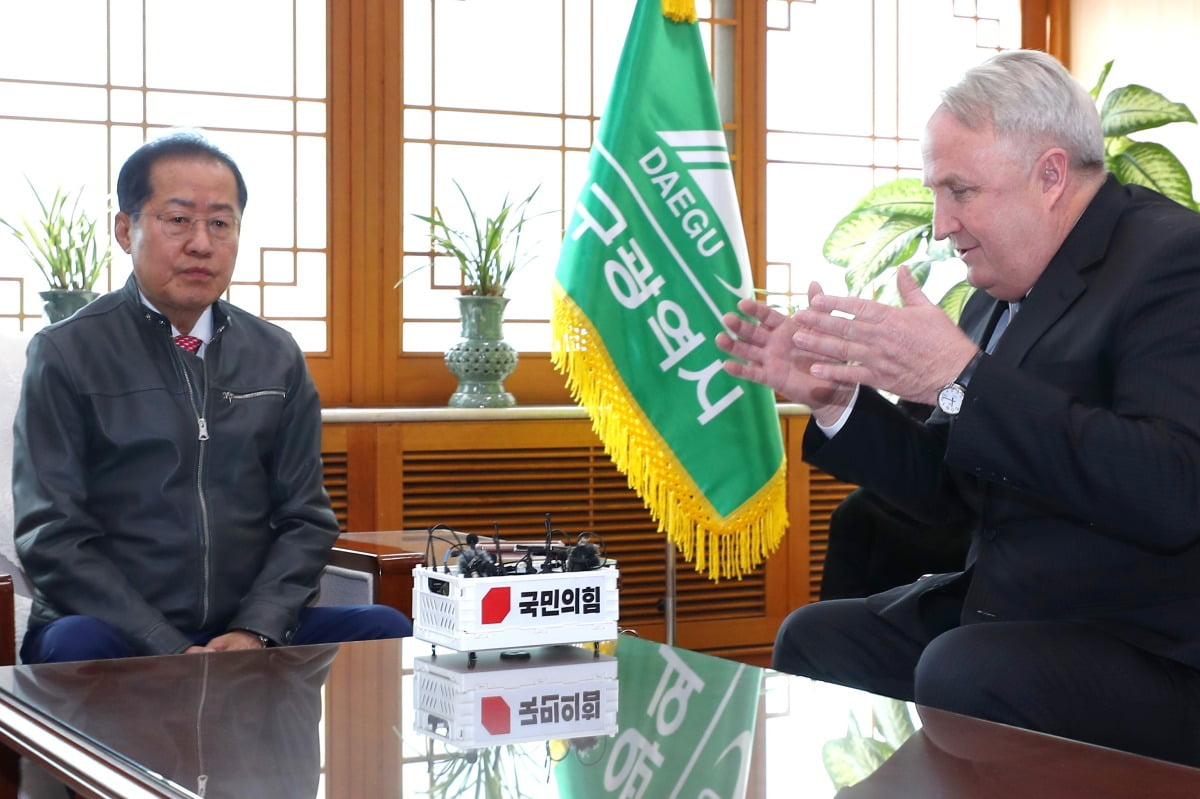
(653, 255)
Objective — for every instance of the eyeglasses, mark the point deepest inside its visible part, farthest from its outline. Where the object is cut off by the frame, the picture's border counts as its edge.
(180, 226)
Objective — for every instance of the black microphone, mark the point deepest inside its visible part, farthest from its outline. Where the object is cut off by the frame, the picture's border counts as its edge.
(496, 543)
(473, 562)
(583, 557)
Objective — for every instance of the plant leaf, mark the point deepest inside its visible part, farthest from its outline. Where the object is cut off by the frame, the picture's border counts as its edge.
(904, 197)
(1095, 92)
(1133, 108)
(900, 196)
(920, 271)
(1152, 165)
(63, 244)
(893, 720)
(892, 243)
(955, 299)
(485, 256)
(853, 758)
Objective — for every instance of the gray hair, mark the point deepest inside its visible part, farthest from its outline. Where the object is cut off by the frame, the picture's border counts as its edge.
(1031, 101)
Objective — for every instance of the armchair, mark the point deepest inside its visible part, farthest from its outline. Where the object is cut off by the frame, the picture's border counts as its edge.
(14, 601)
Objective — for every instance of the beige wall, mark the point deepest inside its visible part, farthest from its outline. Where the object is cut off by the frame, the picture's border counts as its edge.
(1154, 43)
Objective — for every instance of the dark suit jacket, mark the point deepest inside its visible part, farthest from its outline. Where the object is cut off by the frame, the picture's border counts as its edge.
(1077, 454)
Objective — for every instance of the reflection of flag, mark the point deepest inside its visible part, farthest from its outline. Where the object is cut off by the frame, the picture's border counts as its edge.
(653, 256)
(686, 729)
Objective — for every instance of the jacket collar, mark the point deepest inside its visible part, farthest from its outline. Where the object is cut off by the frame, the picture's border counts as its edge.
(132, 296)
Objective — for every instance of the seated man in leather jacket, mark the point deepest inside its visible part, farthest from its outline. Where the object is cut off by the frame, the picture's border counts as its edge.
(167, 480)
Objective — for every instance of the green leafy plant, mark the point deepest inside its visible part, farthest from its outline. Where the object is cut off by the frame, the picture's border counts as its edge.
(489, 251)
(490, 773)
(893, 224)
(856, 755)
(63, 243)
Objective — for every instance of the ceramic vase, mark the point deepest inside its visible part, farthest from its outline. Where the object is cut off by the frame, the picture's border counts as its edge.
(481, 359)
(61, 303)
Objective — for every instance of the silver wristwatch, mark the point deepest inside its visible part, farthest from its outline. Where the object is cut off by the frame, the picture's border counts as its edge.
(950, 398)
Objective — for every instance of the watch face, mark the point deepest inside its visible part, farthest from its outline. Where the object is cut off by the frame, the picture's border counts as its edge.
(950, 399)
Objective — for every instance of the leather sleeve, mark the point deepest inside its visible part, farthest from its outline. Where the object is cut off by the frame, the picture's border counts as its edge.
(301, 518)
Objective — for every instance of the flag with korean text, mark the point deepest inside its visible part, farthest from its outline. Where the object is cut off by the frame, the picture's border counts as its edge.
(653, 255)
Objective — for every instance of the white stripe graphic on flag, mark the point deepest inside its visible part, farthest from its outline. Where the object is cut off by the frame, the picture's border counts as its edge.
(693, 138)
(718, 158)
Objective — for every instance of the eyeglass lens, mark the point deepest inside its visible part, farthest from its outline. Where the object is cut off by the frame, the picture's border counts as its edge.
(222, 227)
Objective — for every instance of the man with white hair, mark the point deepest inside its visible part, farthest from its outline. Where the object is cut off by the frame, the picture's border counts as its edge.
(1070, 442)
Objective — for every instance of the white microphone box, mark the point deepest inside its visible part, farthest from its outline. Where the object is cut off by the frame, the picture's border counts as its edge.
(494, 698)
(515, 610)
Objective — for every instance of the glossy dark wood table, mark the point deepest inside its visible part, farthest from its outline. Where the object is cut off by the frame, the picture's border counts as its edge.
(388, 719)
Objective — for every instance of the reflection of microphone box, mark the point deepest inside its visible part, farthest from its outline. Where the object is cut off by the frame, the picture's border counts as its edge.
(515, 610)
(557, 692)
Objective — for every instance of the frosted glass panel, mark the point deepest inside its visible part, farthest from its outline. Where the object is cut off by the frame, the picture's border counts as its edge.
(53, 41)
(247, 46)
(520, 44)
(831, 141)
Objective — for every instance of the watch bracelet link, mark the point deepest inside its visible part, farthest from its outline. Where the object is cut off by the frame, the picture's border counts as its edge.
(266, 642)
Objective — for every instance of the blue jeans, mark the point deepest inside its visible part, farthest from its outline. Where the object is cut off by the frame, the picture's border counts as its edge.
(88, 638)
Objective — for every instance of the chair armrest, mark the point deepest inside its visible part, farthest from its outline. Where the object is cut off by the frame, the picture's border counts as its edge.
(392, 571)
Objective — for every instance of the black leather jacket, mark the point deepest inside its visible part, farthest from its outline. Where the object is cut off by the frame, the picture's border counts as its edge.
(162, 493)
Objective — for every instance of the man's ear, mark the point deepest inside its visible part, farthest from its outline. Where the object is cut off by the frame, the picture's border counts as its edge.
(1053, 170)
(121, 228)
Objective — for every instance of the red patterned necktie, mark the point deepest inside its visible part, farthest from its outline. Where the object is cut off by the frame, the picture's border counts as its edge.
(189, 343)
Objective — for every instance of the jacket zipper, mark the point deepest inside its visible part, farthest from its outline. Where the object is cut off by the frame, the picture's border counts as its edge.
(201, 777)
(229, 396)
(201, 422)
(202, 437)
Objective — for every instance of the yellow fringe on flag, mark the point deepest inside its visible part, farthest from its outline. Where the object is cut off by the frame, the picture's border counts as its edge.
(679, 10)
(732, 546)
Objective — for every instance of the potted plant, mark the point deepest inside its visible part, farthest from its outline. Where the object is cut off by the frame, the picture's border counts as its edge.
(64, 246)
(893, 224)
(488, 252)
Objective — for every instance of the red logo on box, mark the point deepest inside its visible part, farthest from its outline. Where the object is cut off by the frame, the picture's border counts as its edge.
(495, 714)
(495, 605)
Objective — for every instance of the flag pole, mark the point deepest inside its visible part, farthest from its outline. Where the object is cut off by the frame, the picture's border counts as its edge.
(679, 11)
(669, 603)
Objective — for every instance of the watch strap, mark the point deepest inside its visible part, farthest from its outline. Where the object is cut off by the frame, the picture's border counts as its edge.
(964, 377)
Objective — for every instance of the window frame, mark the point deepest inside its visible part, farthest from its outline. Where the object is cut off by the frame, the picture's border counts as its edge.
(365, 365)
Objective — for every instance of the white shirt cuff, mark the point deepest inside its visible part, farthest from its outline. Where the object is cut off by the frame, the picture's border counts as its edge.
(832, 430)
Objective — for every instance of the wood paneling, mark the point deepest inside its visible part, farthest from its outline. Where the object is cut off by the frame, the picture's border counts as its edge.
(1045, 25)
(825, 493)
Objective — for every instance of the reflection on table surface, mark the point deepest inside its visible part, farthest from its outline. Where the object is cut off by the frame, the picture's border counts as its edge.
(394, 719)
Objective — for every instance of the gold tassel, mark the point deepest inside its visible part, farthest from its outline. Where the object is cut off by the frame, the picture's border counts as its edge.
(732, 547)
(679, 10)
